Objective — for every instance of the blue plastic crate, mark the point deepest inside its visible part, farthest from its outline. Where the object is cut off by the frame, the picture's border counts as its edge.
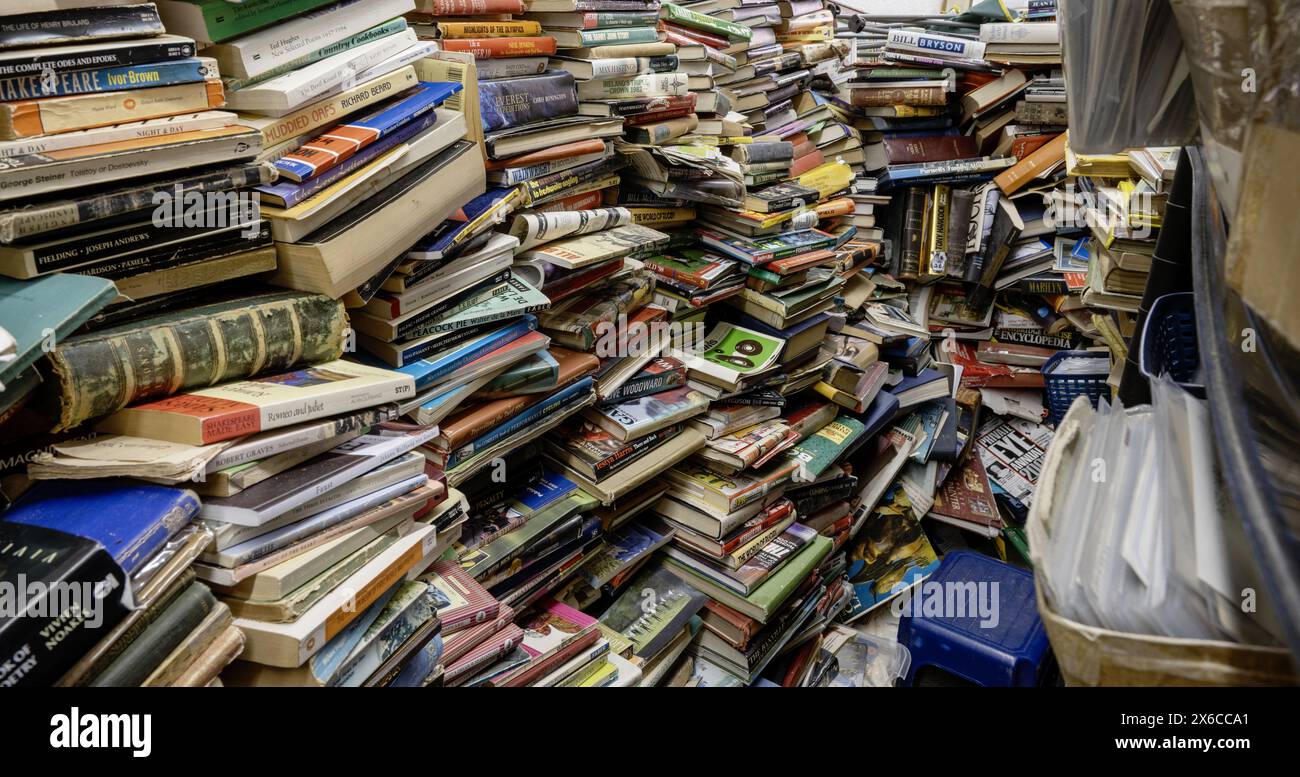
(1061, 389)
(1169, 343)
(997, 641)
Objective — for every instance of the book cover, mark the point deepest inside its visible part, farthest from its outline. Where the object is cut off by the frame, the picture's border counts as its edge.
(245, 407)
(639, 417)
(731, 353)
(653, 610)
(181, 71)
(461, 602)
(889, 554)
(44, 311)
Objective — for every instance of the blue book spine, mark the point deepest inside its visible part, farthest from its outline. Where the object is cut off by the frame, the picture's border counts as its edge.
(292, 193)
(545, 491)
(375, 125)
(512, 102)
(131, 520)
(426, 372)
(529, 417)
(56, 83)
(420, 350)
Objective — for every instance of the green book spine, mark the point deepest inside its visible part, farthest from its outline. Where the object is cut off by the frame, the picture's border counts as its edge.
(225, 21)
(157, 642)
(618, 36)
(777, 588)
(103, 372)
(390, 27)
(689, 18)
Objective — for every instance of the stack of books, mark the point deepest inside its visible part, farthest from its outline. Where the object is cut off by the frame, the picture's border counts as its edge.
(116, 163)
(592, 342)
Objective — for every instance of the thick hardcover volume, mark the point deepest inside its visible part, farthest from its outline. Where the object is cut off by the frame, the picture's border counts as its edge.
(113, 54)
(932, 148)
(913, 233)
(491, 48)
(903, 95)
(218, 20)
(1012, 180)
(42, 640)
(518, 101)
(79, 24)
(158, 640)
(183, 71)
(64, 114)
(105, 371)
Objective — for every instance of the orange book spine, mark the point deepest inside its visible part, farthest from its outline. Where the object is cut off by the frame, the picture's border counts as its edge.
(29, 118)
(805, 163)
(1013, 179)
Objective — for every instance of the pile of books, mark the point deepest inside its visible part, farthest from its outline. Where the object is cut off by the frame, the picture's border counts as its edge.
(590, 343)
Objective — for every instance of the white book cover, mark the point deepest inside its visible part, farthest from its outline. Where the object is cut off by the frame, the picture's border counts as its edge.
(259, 52)
(318, 80)
(935, 45)
(278, 495)
(291, 644)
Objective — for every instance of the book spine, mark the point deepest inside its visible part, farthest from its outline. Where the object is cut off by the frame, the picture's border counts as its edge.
(515, 67)
(942, 45)
(903, 95)
(233, 241)
(513, 102)
(147, 652)
(516, 175)
(469, 7)
(329, 111)
(1041, 113)
(616, 36)
(413, 298)
(68, 84)
(145, 51)
(1047, 286)
(732, 30)
(337, 145)
(290, 193)
(80, 24)
(391, 27)
(652, 85)
(912, 237)
(561, 183)
(512, 29)
(42, 218)
(533, 415)
(65, 114)
(651, 384)
(493, 48)
(100, 375)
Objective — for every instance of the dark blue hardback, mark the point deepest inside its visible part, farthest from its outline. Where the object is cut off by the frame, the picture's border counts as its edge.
(132, 520)
(511, 102)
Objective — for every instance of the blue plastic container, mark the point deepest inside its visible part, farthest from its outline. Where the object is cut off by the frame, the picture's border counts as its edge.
(1169, 343)
(997, 639)
(1061, 389)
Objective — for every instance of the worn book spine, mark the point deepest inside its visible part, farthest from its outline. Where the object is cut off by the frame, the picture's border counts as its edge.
(733, 31)
(159, 639)
(886, 96)
(143, 51)
(913, 234)
(1045, 157)
(1041, 113)
(517, 101)
(98, 375)
(238, 240)
(32, 87)
(75, 25)
(42, 218)
(65, 114)
(492, 48)
(469, 7)
(490, 29)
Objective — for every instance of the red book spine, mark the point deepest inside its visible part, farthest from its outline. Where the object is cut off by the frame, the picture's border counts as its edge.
(932, 148)
(653, 116)
(805, 163)
(697, 36)
(500, 48)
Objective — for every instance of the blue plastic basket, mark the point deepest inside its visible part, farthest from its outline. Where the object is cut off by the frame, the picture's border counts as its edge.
(1169, 342)
(1062, 389)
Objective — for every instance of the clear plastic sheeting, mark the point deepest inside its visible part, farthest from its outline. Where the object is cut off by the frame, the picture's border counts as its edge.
(1127, 78)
